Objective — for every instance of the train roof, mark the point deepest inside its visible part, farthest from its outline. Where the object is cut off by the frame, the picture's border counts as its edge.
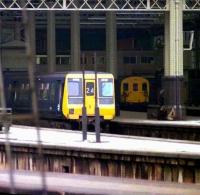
(56, 75)
(63, 74)
(52, 75)
(87, 72)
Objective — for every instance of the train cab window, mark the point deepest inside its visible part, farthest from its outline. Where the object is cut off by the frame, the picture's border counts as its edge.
(90, 88)
(144, 87)
(107, 89)
(135, 87)
(74, 88)
(125, 86)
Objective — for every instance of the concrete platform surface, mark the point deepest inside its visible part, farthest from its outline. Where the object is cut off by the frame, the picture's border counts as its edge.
(26, 181)
(117, 144)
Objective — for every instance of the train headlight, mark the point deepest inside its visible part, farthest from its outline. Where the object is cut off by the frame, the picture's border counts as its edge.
(58, 107)
(71, 111)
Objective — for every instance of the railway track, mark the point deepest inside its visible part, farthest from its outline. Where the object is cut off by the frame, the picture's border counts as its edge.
(159, 131)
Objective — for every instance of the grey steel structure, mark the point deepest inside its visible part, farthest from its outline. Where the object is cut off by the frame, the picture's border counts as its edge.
(173, 48)
(101, 5)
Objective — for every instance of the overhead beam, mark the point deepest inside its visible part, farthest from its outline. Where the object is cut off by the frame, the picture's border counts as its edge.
(86, 5)
(94, 5)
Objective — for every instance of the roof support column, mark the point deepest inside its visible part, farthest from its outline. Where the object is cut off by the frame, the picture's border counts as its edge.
(32, 35)
(75, 40)
(51, 48)
(173, 78)
(17, 31)
(111, 43)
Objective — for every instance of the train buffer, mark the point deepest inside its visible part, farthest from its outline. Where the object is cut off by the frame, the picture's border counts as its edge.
(5, 118)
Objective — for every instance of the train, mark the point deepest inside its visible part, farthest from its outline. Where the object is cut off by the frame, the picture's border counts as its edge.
(61, 96)
(134, 90)
(137, 92)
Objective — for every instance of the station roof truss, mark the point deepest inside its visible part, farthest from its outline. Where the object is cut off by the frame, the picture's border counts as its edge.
(96, 5)
(101, 5)
(85, 5)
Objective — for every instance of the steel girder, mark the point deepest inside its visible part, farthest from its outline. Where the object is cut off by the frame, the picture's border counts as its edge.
(96, 5)
(85, 5)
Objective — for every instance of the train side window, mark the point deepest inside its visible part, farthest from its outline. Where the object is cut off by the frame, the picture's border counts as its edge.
(135, 87)
(46, 91)
(24, 91)
(43, 91)
(10, 91)
(21, 92)
(17, 92)
(125, 86)
(41, 87)
(52, 92)
(144, 87)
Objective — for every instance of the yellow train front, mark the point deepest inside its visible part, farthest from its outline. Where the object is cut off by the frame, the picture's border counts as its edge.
(134, 92)
(75, 93)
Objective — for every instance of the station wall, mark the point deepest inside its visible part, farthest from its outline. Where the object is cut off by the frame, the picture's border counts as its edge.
(139, 51)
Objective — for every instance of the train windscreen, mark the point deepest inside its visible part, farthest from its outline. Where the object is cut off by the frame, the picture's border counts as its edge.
(74, 88)
(106, 91)
(106, 88)
(75, 94)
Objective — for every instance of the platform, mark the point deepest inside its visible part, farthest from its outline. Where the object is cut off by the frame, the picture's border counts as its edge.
(117, 155)
(24, 135)
(132, 117)
(87, 184)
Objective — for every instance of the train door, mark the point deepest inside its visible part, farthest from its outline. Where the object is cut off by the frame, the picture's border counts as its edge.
(135, 93)
(145, 92)
(44, 98)
(52, 98)
(90, 96)
(56, 97)
(12, 91)
(124, 92)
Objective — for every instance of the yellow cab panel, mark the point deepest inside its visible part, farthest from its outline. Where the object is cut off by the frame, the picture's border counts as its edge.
(106, 96)
(90, 97)
(134, 90)
(73, 95)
